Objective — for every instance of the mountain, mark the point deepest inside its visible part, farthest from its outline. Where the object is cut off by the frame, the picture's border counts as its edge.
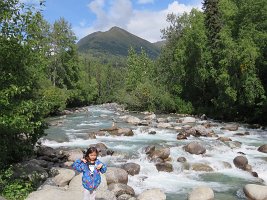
(115, 42)
(160, 44)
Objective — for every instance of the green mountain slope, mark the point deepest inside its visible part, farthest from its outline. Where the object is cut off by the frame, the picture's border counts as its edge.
(115, 42)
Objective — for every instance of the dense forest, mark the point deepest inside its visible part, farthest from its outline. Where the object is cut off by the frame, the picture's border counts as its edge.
(214, 62)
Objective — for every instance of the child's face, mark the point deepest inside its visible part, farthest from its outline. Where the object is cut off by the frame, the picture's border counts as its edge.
(92, 156)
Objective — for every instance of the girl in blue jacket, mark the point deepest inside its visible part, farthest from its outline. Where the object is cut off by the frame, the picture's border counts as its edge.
(91, 168)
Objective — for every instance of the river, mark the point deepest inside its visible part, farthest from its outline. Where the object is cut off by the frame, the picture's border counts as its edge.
(227, 183)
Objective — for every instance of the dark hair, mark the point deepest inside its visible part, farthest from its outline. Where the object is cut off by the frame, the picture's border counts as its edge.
(91, 150)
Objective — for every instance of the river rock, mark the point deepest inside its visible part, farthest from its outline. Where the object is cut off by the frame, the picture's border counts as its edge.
(116, 175)
(224, 139)
(181, 136)
(200, 131)
(263, 148)
(195, 148)
(181, 159)
(133, 120)
(73, 192)
(131, 168)
(234, 144)
(226, 165)
(125, 132)
(155, 194)
(149, 149)
(201, 167)
(64, 177)
(120, 189)
(240, 162)
(164, 125)
(255, 192)
(152, 133)
(162, 153)
(231, 127)
(30, 171)
(166, 167)
(188, 120)
(150, 117)
(162, 120)
(74, 154)
(126, 197)
(201, 193)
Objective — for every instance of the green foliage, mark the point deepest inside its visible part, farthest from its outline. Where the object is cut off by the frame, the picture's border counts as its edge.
(14, 189)
(21, 118)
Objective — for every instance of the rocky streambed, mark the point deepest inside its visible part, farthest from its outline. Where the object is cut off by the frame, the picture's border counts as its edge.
(152, 156)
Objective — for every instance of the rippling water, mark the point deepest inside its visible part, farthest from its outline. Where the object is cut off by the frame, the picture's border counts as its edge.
(73, 131)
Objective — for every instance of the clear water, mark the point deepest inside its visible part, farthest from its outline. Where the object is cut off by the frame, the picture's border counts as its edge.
(74, 130)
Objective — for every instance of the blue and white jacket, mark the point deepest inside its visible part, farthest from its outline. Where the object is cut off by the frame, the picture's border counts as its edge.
(90, 180)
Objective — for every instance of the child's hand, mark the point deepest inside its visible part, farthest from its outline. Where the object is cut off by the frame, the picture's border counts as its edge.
(84, 161)
(99, 166)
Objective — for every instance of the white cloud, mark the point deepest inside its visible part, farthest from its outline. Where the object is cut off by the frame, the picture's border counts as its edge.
(145, 1)
(143, 23)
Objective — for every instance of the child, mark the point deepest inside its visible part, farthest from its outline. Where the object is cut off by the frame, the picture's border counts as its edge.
(91, 168)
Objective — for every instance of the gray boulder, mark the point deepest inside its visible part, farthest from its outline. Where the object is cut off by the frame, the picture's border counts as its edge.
(201, 167)
(116, 175)
(255, 192)
(263, 148)
(64, 177)
(162, 153)
(131, 168)
(195, 148)
(166, 167)
(201, 193)
(240, 162)
(119, 189)
(155, 194)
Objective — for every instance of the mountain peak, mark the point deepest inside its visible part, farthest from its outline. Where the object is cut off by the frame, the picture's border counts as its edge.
(116, 41)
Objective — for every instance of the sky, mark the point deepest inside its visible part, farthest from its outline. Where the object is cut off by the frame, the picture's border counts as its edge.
(144, 18)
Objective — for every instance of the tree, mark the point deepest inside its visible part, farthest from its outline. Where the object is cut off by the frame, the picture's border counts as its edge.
(22, 109)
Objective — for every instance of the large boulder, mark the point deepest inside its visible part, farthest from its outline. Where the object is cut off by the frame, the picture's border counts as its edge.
(195, 148)
(118, 131)
(187, 120)
(201, 167)
(125, 132)
(131, 168)
(116, 175)
(2, 198)
(74, 154)
(164, 125)
(64, 177)
(231, 127)
(201, 193)
(133, 120)
(162, 153)
(166, 167)
(155, 194)
(150, 117)
(74, 192)
(241, 162)
(30, 171)
(255, 192)
(149, 149)
(119, 189)
(263, 148)
(224, 139)
(200, 131)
